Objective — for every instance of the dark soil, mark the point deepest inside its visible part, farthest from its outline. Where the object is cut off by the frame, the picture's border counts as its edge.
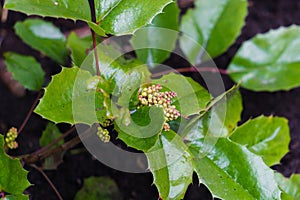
(263, 15)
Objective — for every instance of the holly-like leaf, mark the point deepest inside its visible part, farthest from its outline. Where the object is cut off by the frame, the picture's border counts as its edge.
(142, 128)
(231, 171)
(43, 36)
(13, 178)
(71, 9)
(115, 17)
(124, 76)
(221, 117)
(213, 25)
(154, 43)
(188, 93)
(268, 62)
(95, 188)
(124, 17)
(79, 48)
(226, 109)
(66, 97)
(267, 137)
(171, 165)
(26, 70)
(291, 186)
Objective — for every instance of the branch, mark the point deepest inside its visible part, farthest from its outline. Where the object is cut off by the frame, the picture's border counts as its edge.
(48, 146)
(34, 158)
(30, 112)
(64, 147)
(48, 180)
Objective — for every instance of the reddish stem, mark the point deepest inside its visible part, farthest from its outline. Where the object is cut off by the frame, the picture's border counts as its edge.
(30, 112)
(192, 69)
(93, 16)
(48, 180)
(96, 52)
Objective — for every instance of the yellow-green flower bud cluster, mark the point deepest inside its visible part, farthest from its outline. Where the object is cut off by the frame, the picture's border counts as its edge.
(10, 138)
(107, 123)
(103, 134)
(151, 95)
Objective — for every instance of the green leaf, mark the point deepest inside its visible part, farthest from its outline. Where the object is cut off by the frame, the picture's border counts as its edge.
(115, 16)
(291, 186)
(67, 96)
(213, 25)
(124, 76)
(142, 129)
(13, 178)
(16, 197)
(231, 171)
(128, 77)
(171, 165)
(49, 134)
(268, 62)
(43, 36)
(71, 9)
(285, 196)
(95, 188)
(267, 137)
(154, 43)
(79, 48)
(227, 108)
(219, 119)
(188, 92)
(26, 70)
(125, 17)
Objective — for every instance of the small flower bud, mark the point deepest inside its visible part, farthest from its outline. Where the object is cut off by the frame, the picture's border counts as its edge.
(103, 134)
(151, 95)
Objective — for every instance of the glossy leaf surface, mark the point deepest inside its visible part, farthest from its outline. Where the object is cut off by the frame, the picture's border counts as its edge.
(231, 171)
(267, 137)
(268, 62)
(171, 165)
(141, 130)
(213, 25)
(154, 43)
(57, 102)
(117, 17)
